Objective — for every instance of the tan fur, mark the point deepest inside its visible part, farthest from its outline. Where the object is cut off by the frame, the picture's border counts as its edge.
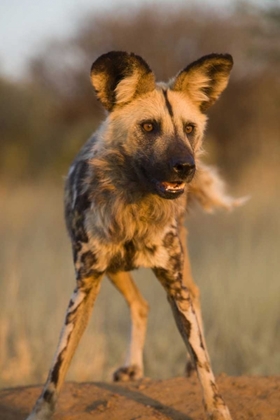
(136, 83)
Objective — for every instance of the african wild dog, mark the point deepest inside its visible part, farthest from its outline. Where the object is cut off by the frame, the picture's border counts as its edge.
(125, 201)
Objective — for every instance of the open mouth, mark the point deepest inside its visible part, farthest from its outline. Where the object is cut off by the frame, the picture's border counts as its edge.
(164, 189)
(171, 187)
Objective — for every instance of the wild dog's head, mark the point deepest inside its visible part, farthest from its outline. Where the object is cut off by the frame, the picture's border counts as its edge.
(157, 126)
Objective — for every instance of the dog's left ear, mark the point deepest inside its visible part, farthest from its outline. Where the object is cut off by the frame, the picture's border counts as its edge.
(119, 76)
(205, 79)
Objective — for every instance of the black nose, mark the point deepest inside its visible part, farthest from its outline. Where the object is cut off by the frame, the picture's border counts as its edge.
(184, 167)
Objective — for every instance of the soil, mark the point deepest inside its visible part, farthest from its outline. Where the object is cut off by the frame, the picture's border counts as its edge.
(248, 398)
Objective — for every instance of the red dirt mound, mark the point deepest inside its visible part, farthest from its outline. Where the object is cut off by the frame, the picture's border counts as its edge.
(248, 398)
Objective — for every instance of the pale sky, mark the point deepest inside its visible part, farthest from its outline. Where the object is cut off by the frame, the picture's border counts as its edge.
(25, 25)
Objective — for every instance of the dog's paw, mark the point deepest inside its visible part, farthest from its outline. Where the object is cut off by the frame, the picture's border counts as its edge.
(43, 410)
(40, 415)
(127, 373)
(223, 414)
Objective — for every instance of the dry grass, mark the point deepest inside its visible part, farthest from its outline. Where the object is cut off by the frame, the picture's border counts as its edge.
(235, 262)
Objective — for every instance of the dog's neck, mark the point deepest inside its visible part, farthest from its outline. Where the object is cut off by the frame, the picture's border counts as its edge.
(118, 204)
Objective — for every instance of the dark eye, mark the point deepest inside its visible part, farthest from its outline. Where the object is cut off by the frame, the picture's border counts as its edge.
(189, 128)
(148, 126)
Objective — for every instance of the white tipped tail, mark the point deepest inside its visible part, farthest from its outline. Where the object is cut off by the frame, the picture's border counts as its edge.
(209, 191)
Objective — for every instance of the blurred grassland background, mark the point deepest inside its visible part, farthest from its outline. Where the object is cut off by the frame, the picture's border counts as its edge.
(44, 119)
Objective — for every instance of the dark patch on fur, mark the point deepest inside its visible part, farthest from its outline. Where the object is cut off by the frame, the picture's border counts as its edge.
(183, 324)
(76, 247)
(82, 202)
(184, 327)
(90, 273)
(217, 396)
(129, 250)
(77, 180)
(223, 62)
(161, 273)
(75, 217)
(116, 263)
(56, 368)
(70, 314)
(126, 372)
(168, 104)
(48, 396)
(176, 263)
(172, 280)
(169, 239)
(125, 263)
(78, 231)
(88, 259)
(152, 249)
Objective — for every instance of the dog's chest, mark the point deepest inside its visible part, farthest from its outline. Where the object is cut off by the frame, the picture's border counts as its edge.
(132, 255)
(136, 253)
(124, 259)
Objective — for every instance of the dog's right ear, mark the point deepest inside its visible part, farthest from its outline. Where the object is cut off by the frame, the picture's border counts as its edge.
(205, 79)
(117, 77)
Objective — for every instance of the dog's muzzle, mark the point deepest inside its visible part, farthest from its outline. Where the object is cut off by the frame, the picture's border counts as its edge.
(181, 172)
(169, 181)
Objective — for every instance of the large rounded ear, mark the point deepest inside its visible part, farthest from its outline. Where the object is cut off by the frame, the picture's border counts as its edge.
(205, 79)
(119, 76)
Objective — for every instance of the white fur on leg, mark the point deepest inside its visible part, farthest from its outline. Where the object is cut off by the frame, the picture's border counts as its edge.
(41, 411)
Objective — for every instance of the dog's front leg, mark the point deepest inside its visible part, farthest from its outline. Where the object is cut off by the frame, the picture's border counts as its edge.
(188, 325)
(193, 290)
(77, 316)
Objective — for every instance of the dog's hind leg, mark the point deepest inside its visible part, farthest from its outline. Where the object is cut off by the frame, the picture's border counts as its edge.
(77, 316)
(133, 367)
